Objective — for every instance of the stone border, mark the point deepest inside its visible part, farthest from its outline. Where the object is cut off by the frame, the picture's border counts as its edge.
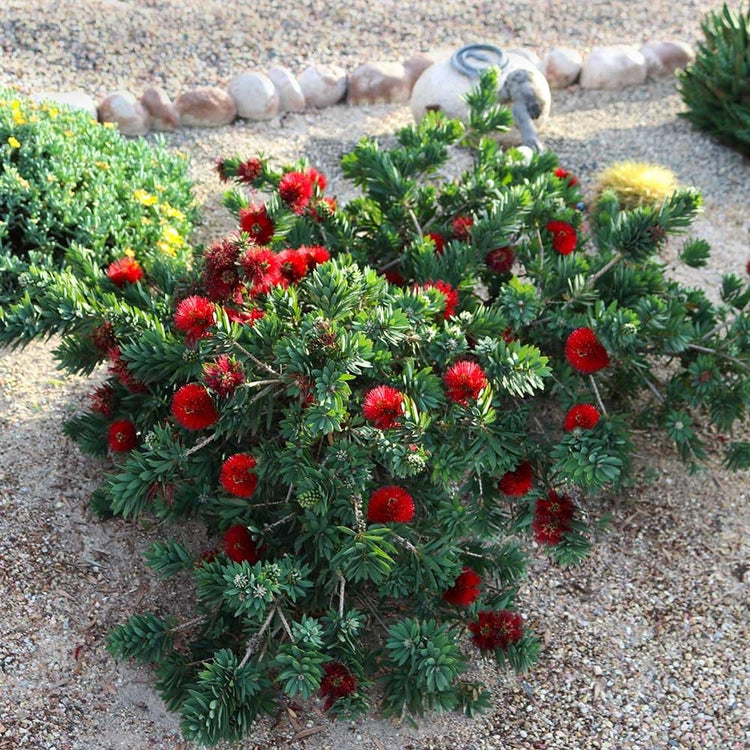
(261, 96)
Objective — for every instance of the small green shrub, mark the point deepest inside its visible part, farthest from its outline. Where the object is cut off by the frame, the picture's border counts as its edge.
(66, 180)
(716, 88)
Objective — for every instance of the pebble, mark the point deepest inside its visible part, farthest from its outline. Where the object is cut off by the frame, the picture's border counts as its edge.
(663, 58)
(125, 111)
(613, 67)
(323, 85)
(562, 66)
(291, 98)
(254, 96)
(379, 83)
(162, 111)
(206, 107)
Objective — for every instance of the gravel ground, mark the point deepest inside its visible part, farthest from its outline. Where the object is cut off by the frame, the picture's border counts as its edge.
(645, 644)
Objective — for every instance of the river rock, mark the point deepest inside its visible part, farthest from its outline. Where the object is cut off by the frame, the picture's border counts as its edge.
(161, 109)
(291, 98)
(206, 107)
(379, 83)
(323, 85)
(663, 58)
(417, 64)
(613, 67)
(562, 66)
(254, 96)
(73, 99)
(125, 111)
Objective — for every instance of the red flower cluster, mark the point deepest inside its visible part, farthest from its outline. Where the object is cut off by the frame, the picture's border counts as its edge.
(563, 174)
(239, 546)
(518, 482)
(119, 368)
(193, 408)
(584, 416)
(584, 352)
(564, 236)
(394, 277)
(501, 259)
(237, 476)
(552, 518)
(194, 316)
(296, 190)
(124, 271)
(262, 269)
(103, 337)
(461, 227)
(438, 240)
(220, 276)
(383, 406)
(121, 436)
(220, 165)
(315, 254)
(465, 589)
(463, 381)
(449, 294)
(101, 400)
(318, 178)
(494, 630)
(250, 170)
(223, 376)
(390, 505)
(337, 682)
(292, 265)
(245, 317)
(255, 221)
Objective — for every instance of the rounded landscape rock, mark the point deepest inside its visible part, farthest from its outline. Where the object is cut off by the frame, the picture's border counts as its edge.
(254, 96)
(125, 111)
(379, 83)
(562, 66)
(323, 85)
(291, 98)
(161, 109)
(613, 67)
(206, 107)
(663, 58)
(73, 99)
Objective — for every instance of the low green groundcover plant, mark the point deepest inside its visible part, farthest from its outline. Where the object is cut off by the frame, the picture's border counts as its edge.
(67, 181)
(716, 87)
(376, 406)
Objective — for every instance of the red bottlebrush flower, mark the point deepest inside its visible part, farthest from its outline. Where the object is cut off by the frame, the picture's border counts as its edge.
(103, 337)
(121, 436)
(494, 630)
(124, 271)
(193, 408)
(315, 255)
(220, 166)
(255, 221)
(547, 531)
(101, 400)
(439, 241)
(518, 482)
(556, 506)
(394, 277)
(461, 227)
(585, 352)
(337, 682)
(322, 208)
(262, 268)
(463, 381)
(222, 253)
(194, 316)
(220, 277)
(390, 505)
(296, 189)
(501, 259)
(465, 589)
(563, 174)
(293, 265)
(223, 376)
(250, 170)
(239, 546)
(119, 368)
(448, 292)
(237, 476)
(564, 236)
(317, 178)
(383, 406)
(508, 335)
(584, 416)
(245, 317)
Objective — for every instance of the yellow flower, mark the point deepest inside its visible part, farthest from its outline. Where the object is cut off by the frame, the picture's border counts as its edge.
(13, 142)
(19, 118)
(144, 198)
(68, 133)
(101, 164)
(171, 211)
(129, 252)
(51, 178)
(166, 248)
(109, 125)
(146, 221)
(172, 236)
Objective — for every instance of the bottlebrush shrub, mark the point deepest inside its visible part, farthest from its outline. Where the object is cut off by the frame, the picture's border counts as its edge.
(65, 180)
(376, 408)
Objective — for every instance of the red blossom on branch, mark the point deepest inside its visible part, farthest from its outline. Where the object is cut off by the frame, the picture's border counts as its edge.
(193, 407)
(124, 271)
(584, 352)
(383, 406)
(390, 505)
